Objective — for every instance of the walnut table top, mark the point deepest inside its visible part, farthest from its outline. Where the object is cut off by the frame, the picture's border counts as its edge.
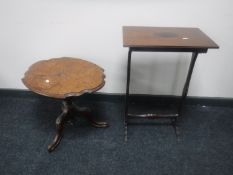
(166, 37)
(64, 77)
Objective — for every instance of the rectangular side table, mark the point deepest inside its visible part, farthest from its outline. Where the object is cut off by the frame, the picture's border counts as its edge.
(164, 39)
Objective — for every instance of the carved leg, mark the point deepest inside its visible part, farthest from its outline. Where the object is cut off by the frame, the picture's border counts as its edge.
(97, 124)
(67, 109)
(85, 111)
(60, 121)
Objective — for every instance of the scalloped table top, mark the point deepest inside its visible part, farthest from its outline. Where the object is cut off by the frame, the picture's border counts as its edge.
(63, 77)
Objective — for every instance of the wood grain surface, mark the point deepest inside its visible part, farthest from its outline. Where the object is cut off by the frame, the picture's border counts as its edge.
(64, 77)
(166, 37)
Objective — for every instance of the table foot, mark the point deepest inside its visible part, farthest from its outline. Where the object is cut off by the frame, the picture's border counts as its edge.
(126, 132)
(98, 124)
(86, 112)
(60, 122)
(69, 108)
(177, 129)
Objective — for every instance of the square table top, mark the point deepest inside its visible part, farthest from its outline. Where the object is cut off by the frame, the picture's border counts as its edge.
(166, 37)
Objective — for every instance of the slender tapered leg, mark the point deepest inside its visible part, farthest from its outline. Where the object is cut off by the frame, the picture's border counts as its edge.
(187, 82)
(127, 95)
(185, 92)
(60, 121)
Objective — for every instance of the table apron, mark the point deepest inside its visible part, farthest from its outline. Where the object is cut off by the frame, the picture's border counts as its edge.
(157, 49)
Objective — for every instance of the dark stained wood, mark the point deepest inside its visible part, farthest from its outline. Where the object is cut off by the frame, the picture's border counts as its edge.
(68, 108)
(166, 37)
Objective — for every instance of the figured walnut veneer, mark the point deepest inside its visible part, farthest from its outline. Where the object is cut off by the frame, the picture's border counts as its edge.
(64, 77)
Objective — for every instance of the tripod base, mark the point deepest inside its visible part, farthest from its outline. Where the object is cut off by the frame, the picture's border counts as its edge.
(68, 108)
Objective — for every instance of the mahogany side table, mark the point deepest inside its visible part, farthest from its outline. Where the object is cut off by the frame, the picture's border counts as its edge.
(64, 78)
(164, 39)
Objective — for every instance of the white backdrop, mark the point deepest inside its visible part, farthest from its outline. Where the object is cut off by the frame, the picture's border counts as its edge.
(31, 30)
